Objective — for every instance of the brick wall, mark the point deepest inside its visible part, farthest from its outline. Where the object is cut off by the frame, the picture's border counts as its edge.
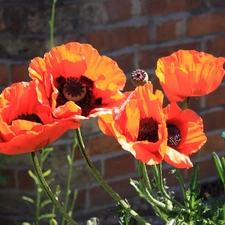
(135, 33)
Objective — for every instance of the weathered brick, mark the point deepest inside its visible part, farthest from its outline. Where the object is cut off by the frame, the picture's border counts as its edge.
(119, 165)
(148, 58)
(117, 10)
(10, 180)
(206, 24)
(19, 73)
(215, 3)
(2, 24)
(16, 19)
(25, 181)
(215, 143)
(216, 98)
(102, 145)
(118, 38)
(4, 79)
(214, 120)
(170, 30)
(152, 7)
(125, 62)
(216, 46)
(98, 196)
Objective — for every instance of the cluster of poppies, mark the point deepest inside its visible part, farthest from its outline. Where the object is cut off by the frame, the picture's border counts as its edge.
(73, 82)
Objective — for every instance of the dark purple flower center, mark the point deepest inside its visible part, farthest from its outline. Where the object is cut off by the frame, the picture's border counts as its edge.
(148, 130)
(29, 117)
(174, 136)
(78, 90)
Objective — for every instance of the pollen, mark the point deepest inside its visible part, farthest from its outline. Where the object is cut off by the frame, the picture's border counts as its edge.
(148, 130)
(174, 136)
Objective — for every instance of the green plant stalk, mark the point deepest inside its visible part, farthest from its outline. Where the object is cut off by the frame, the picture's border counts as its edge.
(73, 203)
(68, 191)
(181, 181)
(158, 206)
(162, 188)
(38, 198)
(48, 190)
(51, 24)
(103, 183)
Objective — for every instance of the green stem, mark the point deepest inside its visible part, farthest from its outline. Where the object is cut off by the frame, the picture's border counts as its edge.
(185, 103)
(51, 24)
(68, 191)
(38, 199)
(48, 190)
(158, 206)
(103, 182)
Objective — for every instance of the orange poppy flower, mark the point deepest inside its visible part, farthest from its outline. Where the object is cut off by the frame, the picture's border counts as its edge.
(188, 73)
(26, 121)
(139, 126)
(76, 76)
(185, 135)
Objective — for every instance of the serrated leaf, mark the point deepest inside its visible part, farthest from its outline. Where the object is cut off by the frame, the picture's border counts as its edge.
(194, 178)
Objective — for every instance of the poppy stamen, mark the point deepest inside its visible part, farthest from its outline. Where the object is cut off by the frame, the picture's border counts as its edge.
(148, 130)
(78, 90)
(139, 75)
(29, 117)
(174, 136)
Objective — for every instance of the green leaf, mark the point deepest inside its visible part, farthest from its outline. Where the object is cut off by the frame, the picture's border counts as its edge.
(194, 178)
(46, 216)
(45, 202)
(219, 167)
(69, 159)
(52, 221)
(45, 153)
(30, 200)
(46, 173)
(32, 175)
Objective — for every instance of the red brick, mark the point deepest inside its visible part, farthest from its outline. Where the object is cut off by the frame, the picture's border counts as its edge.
(215, 143)
(9, 175)
(119, 165)
(213, 3)
(4, 80)
(215, 98)
(25, 181)
(129, 86)
(207, 169)
(148, 58)
(216, 46)
(169, 30)
(2, 24)
(125, 62)
(102, 145)
(118, 38)
(118, 10)
(99, 197)
(214, 120)
(152, 7)
(19, 73)
(80, 201)
(206, 24)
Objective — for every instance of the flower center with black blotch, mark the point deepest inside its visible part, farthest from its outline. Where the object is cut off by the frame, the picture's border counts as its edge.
(148, 130)
(174, 136)
(78, 90)
(29, 117)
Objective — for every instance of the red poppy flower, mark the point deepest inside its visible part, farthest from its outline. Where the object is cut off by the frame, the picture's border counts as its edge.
(188, 73)
(26, 121)
(139, 126)
(76, 73)
(185, 135)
